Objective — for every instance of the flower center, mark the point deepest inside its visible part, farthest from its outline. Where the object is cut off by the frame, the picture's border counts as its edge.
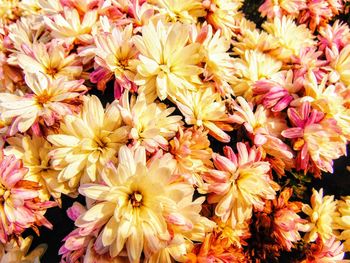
(136, 199)
(51, 71)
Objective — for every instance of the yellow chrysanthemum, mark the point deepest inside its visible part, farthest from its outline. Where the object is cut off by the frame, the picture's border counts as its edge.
(321, 216)
(137, 206)
(50, 101)
(341, 65)
(218, 63)
(167, 62)
(69, 27)
(343, 221)
(52, 60)
(252, 67)
(87, 142)
(224, 15)
(205, 108)
(290, 37)
(9, 11)
(185, 11)
(34, 152)
(150, 123)
(17, 251)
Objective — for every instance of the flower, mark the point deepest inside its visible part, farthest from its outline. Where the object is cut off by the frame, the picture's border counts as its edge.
(289, 36)
(321, 216)
(50, 101)
(34, 153)
(224, 15)
(116, 55)
(69, 27)
(86, 142)
(340, 63)
(342, 222)
(192, 152)
(167, 63)
(279, 8)
(205, 108)
(52, 60)
(17, 251)
(135, 205)
(336, 35)
(327, 251)
(218, 63)
(252, 67)
(147, 130)
(20, 207)
(240, 183)
(316, 138)
(185, 11)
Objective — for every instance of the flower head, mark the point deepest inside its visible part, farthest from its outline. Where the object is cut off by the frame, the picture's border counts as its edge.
(240, 183)
(20, 207)
(50, 101)
(321, 216)
(167, 62)
(86, 142)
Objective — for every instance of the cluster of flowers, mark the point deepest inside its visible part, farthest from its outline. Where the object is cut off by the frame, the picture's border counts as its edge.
(211, 115)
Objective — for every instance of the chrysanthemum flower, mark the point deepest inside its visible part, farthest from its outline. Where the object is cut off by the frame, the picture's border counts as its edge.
(147, 130)
(322, 213)
(20, 207)
(69, 27)
(252, 67)
(342, 222)
(168, 64)
(289, 36)
(52, 60)
(17, 251)
(224, 15)
(50, 101)
(9, 11)
(192, 152)
(218, 63)
(207, 109)
(279, 8)
(337, 35)
(318, 12)
(115, 53)
(213, 249)
(240, 183)
(316, 138)
(134, 194)
(87, 142)
(276, 93)
(185, 11)
(327, 251)
(340, 63)
(34, 152)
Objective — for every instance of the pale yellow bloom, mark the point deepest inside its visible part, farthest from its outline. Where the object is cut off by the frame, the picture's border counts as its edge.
(133, 195)
(206, 108)
(321, 216)
(14, 251)
(343, 221)
(224, 15)
(290, 37)
(69, 27)
(341, 64)
(50, 101)
(115, 52)
(34, 152)
(87, 142)
(151, 125)
(253, 66)
(9, 11)
(219, 65)
(52, 60)
(185, 11)
(168, 64)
